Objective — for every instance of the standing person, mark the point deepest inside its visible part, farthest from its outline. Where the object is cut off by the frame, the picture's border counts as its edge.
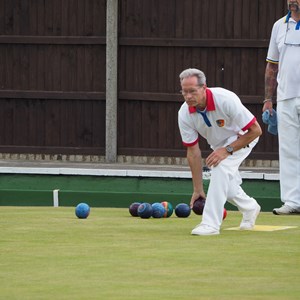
(283, 73)
(232, 131)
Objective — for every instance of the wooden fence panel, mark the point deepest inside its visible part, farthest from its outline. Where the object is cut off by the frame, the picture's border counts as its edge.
(227, 39)
(52, 77)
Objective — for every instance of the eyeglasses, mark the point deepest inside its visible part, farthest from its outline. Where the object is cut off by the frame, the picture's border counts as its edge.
(192, 91)
(292, 36)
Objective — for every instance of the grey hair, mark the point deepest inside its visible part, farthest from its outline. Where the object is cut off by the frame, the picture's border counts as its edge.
(193, 72)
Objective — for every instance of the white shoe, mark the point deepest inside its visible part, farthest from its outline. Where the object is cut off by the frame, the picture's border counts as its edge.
(285, 210)
(202, 229)
(249, 218)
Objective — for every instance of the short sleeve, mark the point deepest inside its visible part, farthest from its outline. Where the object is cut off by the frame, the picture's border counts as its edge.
(273, 53)
(189, 135)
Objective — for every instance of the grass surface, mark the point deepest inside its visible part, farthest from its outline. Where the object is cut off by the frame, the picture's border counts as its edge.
(47, 253)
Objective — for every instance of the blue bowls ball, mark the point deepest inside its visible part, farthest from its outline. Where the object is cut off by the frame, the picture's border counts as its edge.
(145, 210)
(82, 210)
(158, 210)
(182, 210)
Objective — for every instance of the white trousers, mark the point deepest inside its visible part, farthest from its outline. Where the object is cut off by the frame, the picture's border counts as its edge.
(288, 115)
(225, 186)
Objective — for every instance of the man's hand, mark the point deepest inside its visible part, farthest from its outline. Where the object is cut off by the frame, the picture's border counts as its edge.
(268, 106)
(216, 157)
(195, 196)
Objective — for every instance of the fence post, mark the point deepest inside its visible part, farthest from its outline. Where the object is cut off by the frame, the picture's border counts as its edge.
(111, 80)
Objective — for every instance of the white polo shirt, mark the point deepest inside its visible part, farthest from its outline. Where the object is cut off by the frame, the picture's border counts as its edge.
(226, 114)
(281, 51)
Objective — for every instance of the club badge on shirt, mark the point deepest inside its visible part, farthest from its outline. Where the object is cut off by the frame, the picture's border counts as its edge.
(220, 122)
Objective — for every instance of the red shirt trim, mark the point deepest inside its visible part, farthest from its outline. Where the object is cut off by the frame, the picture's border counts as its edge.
(190, 144)
(249, 124)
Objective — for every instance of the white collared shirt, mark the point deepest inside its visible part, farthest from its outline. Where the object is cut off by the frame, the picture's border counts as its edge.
(227, 115)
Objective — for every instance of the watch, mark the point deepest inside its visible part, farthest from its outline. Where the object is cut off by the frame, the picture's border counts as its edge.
(229, 149)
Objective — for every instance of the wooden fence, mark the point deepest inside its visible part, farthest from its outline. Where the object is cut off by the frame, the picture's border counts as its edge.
(53, 60)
